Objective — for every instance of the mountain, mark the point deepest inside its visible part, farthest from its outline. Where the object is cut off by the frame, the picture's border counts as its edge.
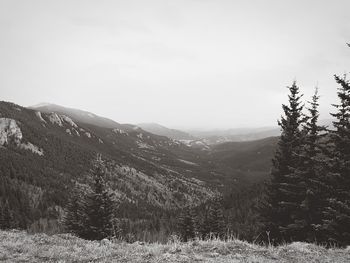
(42, 155)
(203, 140)
(212, 137)
(164, 131)
(77, 115)
(46, 150)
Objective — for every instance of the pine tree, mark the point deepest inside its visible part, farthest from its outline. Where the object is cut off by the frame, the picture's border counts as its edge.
(99, 208)
(337, 211)
(283, 198)
(186, 225)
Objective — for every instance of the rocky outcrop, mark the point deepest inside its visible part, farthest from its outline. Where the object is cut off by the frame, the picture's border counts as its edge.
(38, 114)
(11, 132)
(69, 121)
(55, 119)
(31, 147)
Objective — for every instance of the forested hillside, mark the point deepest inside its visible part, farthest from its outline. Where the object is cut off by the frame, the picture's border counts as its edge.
(45, 155)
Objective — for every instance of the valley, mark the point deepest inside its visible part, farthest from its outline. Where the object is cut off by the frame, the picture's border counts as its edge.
(47, 150)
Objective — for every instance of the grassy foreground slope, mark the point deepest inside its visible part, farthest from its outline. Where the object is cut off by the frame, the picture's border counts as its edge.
(18, 246)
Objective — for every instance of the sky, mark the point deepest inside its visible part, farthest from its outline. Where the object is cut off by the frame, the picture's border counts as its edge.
(206, 64)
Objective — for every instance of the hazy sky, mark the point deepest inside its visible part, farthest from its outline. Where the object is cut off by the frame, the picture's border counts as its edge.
(193, 63)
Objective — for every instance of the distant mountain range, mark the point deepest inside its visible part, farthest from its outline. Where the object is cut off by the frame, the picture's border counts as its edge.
(164, 131)
(214, 137)
(204, 139)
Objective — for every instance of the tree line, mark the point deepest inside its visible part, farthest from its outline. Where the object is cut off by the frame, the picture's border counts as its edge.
(308, 197)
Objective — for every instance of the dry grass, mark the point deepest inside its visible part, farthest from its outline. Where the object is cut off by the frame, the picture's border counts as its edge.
(18, 246)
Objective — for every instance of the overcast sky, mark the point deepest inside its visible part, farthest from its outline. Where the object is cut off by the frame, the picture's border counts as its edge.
(188, 64)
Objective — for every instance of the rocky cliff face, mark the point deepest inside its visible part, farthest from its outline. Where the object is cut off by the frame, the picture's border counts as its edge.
(9, 131)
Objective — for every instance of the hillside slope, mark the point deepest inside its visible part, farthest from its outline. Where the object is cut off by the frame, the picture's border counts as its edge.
(249, 161)
(21, 247)
(42, 155)
(220, 165)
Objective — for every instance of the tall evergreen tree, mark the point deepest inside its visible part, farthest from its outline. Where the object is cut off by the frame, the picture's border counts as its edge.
(337, 212)
(75, 214)
(90, 215)
(99, 207)
(283, 199)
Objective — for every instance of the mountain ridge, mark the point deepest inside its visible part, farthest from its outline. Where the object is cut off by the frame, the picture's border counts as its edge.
(158, 129)
(80, 115)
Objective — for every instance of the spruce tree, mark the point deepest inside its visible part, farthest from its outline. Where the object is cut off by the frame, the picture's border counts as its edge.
(75, 214)
(90, 215)
(337, 211)
(282, 197)
(99, 208)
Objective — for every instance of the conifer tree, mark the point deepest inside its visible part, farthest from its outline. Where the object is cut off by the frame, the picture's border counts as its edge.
(337, 211)
(74, 217)
(283, 198)
(90, 215)
(99, 208)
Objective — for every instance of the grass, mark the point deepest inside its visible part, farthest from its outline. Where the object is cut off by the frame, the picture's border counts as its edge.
(19, 246)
